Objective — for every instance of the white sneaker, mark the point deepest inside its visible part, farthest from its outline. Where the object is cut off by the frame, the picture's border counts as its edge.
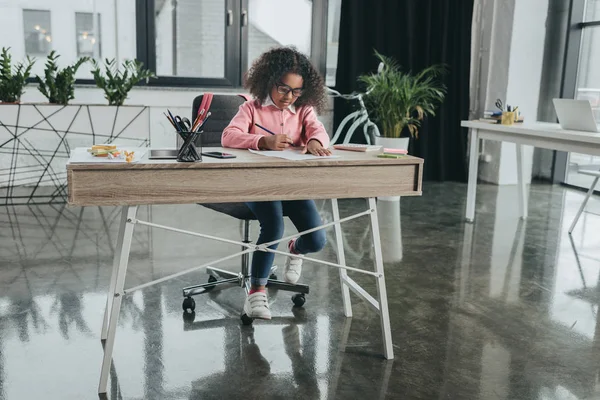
(293, 266)
(257, 306)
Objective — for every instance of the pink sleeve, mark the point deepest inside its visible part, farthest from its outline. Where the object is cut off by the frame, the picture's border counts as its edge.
(314, 128)
(236, 134)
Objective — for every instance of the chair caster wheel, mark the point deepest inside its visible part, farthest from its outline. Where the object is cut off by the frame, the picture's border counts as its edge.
(189, 317)
(246, 320)
(299, 299)
(273, 277)
(210, 280)
(189, 305)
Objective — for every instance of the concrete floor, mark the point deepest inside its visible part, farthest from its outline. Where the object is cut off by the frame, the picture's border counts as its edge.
(499, 309)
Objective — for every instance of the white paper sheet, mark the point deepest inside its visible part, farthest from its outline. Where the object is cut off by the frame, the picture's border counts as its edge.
(81, 155)
(291, 154)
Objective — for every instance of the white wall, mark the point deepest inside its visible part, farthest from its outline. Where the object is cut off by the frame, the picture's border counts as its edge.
(507, 64)
(524, 77)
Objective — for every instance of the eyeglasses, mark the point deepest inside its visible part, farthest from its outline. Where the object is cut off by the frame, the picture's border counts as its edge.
(285, 89)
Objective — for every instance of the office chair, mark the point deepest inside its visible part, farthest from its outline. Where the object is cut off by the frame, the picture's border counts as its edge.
(223, 108)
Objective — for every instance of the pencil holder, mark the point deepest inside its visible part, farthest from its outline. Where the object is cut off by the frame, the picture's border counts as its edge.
(191, 149)
(508, 118)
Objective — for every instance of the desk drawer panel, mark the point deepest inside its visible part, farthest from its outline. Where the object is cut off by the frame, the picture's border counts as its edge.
(185, 186)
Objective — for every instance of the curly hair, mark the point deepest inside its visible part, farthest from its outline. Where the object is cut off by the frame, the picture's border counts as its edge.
(272, 65)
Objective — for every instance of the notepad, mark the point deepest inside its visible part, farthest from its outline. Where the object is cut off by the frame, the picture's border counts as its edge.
(291, 154)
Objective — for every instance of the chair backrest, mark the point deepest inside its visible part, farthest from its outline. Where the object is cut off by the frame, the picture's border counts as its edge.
(222, 108)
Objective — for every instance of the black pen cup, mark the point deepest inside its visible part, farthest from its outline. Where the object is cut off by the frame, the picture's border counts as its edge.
(191, 149)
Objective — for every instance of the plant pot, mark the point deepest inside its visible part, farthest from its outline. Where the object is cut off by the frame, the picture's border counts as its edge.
(392, 143)
(390, 231)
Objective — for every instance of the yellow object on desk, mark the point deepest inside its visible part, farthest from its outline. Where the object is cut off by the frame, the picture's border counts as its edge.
(508, 118)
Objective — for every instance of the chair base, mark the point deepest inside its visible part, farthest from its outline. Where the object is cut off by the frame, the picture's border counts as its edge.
(222, 279)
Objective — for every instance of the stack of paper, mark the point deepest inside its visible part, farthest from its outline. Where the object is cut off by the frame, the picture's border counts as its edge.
(291, 154)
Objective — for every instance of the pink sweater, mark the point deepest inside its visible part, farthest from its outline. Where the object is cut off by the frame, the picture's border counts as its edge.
(300, 124)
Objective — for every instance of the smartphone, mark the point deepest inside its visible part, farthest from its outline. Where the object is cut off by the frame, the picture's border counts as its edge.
(218, 154)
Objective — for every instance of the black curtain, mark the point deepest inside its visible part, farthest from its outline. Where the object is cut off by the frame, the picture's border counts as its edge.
(417, 33)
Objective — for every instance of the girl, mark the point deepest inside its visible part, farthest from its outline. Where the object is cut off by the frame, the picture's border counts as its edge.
(287, 90)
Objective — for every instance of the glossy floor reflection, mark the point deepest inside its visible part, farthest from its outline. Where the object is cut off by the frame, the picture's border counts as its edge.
(501, 309)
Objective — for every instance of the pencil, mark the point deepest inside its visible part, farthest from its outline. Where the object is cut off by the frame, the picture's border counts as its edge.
(262, 127)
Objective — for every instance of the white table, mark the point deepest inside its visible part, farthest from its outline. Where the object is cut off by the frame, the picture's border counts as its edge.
(539, 134)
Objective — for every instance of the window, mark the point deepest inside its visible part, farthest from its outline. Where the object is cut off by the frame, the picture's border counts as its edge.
(213, 42)
(592, 11)
(37, 32)
(269, 26)
(333, 38)
(587, 88)
(186, 42)
(88, 35)
(190, 38)
(94, 28)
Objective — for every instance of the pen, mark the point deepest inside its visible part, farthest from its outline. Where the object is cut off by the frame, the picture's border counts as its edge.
(170, 120)
(201, 124)
(262, 127)
(175, 121)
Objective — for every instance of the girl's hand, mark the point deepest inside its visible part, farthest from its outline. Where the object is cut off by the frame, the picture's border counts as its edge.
(315, 148)
(274, 142)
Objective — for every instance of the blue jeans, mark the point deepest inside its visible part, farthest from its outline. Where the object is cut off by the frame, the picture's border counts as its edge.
(304, 216)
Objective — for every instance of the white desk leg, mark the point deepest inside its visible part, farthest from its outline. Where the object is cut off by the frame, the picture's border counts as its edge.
(123, 247)
(473, 167)
(113, 276)
(341, 259)
(384, 313)
(521, 181)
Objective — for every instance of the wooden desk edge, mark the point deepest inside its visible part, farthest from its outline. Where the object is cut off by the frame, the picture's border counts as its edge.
(267, 163)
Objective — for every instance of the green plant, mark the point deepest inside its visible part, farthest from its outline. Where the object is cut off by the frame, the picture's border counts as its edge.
(117, 84)
(13, 78)
(397, 99)
(59, 84)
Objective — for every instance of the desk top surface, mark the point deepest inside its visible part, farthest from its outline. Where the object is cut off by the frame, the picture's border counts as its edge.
(246, 159)
(542, 129)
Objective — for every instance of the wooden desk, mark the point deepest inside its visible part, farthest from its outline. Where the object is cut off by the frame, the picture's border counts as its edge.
(539, 134)
(249, 177)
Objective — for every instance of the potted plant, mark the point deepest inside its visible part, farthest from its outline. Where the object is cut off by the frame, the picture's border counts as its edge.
(13, 78)
(117, 84)
(399, 101)
(58, 85)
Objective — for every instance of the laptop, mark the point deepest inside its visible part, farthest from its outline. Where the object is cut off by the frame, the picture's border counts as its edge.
(575, 115)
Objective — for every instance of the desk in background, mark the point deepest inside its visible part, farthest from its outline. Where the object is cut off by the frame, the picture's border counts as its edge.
(249, 177)
(539, 134)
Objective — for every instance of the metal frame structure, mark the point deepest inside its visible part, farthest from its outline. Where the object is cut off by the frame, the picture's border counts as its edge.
(220, 277)
(596, 175)
(121, 258)
(27, 158)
